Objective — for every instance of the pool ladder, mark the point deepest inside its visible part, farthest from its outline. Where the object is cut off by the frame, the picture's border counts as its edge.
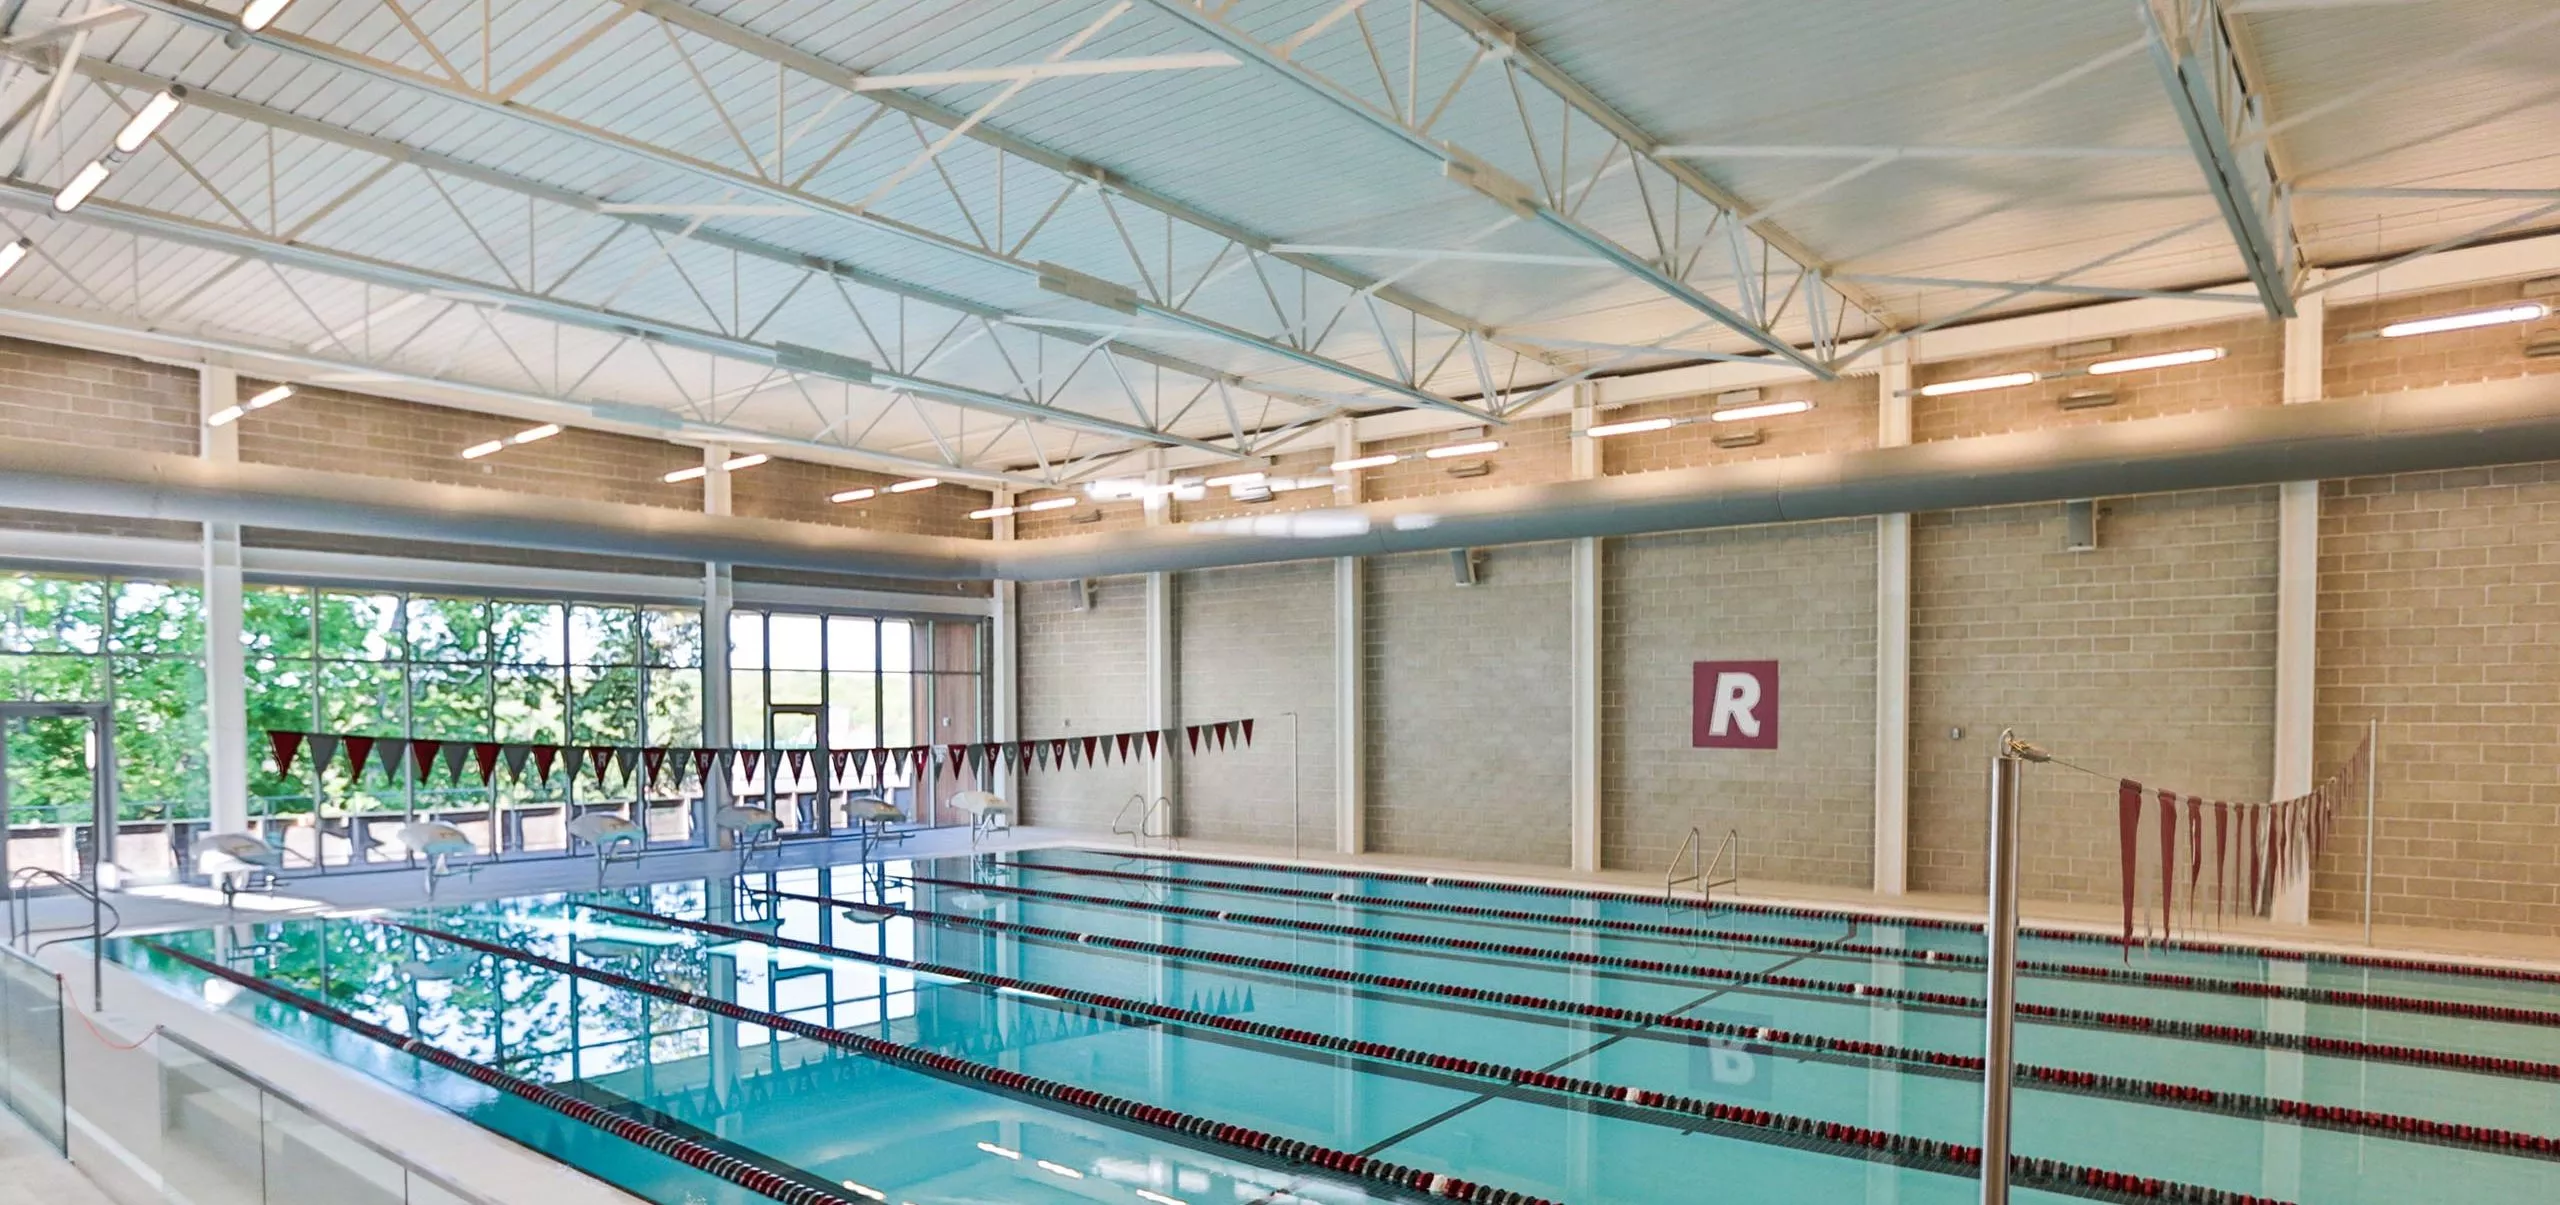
(1728, 857)
(1155, 820)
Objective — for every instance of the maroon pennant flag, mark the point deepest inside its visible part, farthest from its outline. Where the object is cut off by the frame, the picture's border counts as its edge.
(286, 744)
(1192, 731)
(750, 759)
(1058, 752)
(359, 751)
(484, 754)
(2128, 831)
(653, 760)
(544, 757)
(836, 759)
(955, 756)
(2168, 860)
(455, 753)
(2254, 880)
(922, 757)
(388, 753)
(422, 753)
(1155, 742)
(799, 759)
(598, 757)
(2222, 858)
(703, 760)
(1092, 744)
(1122, 740)
(1220, 729)
(1024, 752)
(1247, 725)
(2195, 852)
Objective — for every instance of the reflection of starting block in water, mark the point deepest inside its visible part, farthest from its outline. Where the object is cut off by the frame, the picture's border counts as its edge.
(613, 838)
(236, 862)
(437, 844)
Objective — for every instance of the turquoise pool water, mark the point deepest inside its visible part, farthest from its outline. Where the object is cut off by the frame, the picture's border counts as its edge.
(587, 994)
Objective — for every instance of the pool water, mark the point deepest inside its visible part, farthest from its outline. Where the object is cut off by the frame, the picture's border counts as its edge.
(858, 1049)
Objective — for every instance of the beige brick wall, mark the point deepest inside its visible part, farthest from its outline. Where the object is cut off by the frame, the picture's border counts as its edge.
(1843, 418)
(2152, 657)
(64, 395)
(1255, 643)
(797, 490)
(1469, 720)
(1803, 595)
(404, 441)
(1082, 673)
(2436, 617)
(2358, 363)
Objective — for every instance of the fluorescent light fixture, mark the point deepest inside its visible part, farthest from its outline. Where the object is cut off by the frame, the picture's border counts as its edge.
(695, 473)
(920, 483)
(268, 398)
(865, 494)
(1365, 462)
(224, 417)
(1059, 1169)
(1736, 414)
(1049, 504)
(478, 450)
(81, 186)
(147, 120)
(1143, 1194)
(14, 252)
(735, 463)
(1233, 480)
(261, 13)
(2166, 359)
(530, 434)
(2527, 312)
(1283, 485)
(1478, 448)
(998, 1151)
(2006, 380)
(864, 1190)
(1632, 427)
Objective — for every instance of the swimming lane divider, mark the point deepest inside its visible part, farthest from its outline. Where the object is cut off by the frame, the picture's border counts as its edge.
(2199, 1031)
(1188, 1125)
(2384, 1001)
(1732, 1120)
(2230, 949)
(2061, 1079)
(763, 1181)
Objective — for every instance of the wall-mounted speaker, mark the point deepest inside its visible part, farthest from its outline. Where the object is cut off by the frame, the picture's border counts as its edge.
(2080, 525)
(1082, 593)
(1466, 565)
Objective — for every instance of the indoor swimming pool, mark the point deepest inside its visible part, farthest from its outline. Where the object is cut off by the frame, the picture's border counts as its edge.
(1097, 1025)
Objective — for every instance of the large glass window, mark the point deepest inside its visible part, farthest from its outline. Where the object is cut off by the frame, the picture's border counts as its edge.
(466, 668)
(882, 682)
(137, 644)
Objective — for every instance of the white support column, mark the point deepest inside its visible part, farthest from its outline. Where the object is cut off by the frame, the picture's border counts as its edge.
(1350, 694)
(1586, 652)
(719, 589)
(2298, 593)
(1004, 672)
(228, 755)
(1893, 643)
(1163, 704)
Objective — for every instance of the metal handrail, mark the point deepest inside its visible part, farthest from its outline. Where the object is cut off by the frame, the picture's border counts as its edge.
(1147, 813)
(22, 926)
(1702, 874)
(268, 1087)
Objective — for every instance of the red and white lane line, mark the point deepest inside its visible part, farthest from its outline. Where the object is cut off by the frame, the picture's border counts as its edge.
(2231, 949)
(2201, 1031)
(2258, 1108)
(762, 1181)
(2383, 1001)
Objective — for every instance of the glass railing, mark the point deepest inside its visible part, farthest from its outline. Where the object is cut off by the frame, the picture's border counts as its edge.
(31, 1067)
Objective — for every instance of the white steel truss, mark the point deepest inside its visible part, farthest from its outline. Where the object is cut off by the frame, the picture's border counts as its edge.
(2226, 128)
(1577, 166)
(982, 198)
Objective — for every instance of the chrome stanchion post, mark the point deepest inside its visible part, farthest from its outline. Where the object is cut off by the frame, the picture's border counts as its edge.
(2000, 995)
(1294, 853)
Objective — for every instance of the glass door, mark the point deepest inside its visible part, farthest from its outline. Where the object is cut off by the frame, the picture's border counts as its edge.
(57, 791)
(795, 770)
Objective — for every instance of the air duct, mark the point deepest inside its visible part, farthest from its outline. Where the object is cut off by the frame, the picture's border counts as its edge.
(2499, 422)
